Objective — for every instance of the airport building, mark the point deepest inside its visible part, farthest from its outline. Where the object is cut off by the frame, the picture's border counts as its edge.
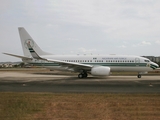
(153, 58)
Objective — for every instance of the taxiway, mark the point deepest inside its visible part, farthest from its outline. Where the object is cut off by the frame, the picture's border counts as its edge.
(29, 82)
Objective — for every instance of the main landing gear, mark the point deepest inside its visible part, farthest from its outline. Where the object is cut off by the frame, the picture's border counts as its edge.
(82, 75)
(139, 75)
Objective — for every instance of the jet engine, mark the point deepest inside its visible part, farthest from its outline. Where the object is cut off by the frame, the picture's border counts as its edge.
(100, 71)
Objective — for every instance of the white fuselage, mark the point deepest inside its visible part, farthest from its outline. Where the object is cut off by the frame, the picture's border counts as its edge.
(115, 62)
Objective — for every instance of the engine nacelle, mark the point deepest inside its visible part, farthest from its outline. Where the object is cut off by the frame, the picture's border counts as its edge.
(100, 71)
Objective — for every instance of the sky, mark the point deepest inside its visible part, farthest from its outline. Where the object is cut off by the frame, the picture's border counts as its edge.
(97, 27)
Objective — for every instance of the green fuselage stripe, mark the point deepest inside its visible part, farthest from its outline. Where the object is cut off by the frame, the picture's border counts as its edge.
(100, 64)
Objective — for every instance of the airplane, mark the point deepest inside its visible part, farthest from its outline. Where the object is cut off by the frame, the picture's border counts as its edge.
(96, 65)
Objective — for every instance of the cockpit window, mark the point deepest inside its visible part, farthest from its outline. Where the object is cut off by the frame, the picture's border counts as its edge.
(146, 60)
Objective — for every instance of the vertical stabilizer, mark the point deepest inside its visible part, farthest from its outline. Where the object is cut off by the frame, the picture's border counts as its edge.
(26, 38)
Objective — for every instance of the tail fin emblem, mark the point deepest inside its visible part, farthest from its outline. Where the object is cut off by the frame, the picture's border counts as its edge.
(29, 41)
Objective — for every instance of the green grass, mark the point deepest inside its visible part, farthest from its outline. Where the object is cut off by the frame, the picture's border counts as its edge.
(48, 106)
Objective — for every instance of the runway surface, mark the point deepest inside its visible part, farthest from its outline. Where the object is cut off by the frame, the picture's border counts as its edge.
(27, 82)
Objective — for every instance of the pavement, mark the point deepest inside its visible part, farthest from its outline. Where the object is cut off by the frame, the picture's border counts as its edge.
(69, 83)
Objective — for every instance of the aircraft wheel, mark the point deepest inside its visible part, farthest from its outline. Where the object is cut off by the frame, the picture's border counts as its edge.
(139, 76)
(80, 76)
(85, 75)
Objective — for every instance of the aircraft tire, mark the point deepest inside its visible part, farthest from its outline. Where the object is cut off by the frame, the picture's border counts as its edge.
(80, 76)
(85, 75)
(139, 76)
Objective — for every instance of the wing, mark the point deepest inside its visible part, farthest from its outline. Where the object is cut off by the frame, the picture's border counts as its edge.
(68, 65)
(18, 56)
(72, 65)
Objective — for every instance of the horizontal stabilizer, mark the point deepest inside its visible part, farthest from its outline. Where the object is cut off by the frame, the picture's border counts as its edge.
(18, 56)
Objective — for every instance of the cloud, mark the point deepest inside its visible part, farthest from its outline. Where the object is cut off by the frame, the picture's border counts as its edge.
(72, 39)
(157, 42)
(118, 19)
(145, 43)
(122, 46)
(84, 50)
(89, 26)
(4, 6)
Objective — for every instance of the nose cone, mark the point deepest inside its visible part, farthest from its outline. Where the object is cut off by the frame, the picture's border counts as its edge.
(154, 65)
